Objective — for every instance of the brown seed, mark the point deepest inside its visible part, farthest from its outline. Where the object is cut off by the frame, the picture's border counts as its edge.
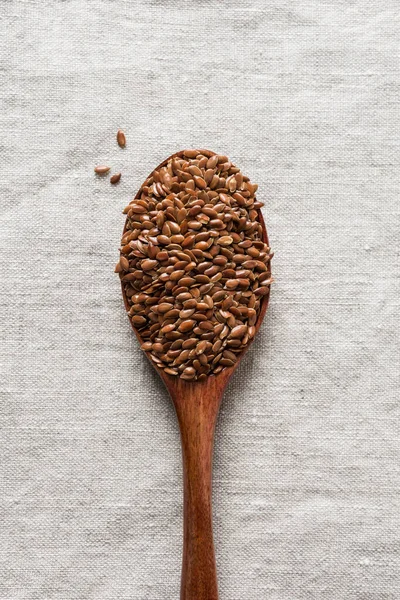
(199, 181)
(173, 335)
(191, 303)
(217, 359)
(176, 275)
(229, 273)
(115, 178)
(239, 180)
(172, 314)
(235, 343)
(217, 224)
(253, 252)
(212, 162)
(201, 347)
(202, 306)
(208, 175)
(121, 139)
(164, 240)
(227, 303)
(230, 355)
(199, 316)
(212, 270)
(203, 159)
(202, 245)
(167, 328)
(190, 153)
(186, 313)
(225, 240)
(156, 359)
(124, 262)
(138, 321)
(218, 296)
(262, 291)
(101, 170)
(181, 215)
(186, 325)
(174, 227)
(188, 373)
(183, 296)
(238, 331)
(193, 170)
(226, 362)
(187, 281)
(217, 346)
(157, 348)
(203, 359)
(148, 264)
(189, 344)
(164, 307)
(251, 332)
(249, 264)
(171, 371)
(138, 209)
(206, 326)
(214, 182)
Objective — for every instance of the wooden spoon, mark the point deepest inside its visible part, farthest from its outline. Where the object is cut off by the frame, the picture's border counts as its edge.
(197, 404)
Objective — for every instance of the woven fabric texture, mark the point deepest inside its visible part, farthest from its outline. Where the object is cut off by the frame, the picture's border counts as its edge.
(305, 98)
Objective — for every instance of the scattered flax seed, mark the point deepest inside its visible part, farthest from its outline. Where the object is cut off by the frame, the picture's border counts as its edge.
(115, 178)
(101, 169)
(193, 264)
(121, 139)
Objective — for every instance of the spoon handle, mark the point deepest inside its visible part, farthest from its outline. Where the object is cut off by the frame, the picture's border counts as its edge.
(197, 410)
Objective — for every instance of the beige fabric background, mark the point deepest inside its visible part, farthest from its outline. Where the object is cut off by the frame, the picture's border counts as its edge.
(304, 96)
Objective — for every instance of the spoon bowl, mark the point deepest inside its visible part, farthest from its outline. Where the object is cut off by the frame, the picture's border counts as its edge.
(197, 404)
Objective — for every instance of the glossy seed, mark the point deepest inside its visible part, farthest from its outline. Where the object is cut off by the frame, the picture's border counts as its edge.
(164, 307)
(121, 139)
(171, 371)
(186, 313)
(189, 344)
(212, 162)
(186, 325)
(190, 153)
(262, 291)
(124, 263)
(175, 275)
(238, 331)
(201, 347)
(232, 284)
(148, 264)
(187, 281)
(115, 178)
(225, 240)
(188, 373)
(199, 181)
(138, 321)
(138, 209)
(101, 170)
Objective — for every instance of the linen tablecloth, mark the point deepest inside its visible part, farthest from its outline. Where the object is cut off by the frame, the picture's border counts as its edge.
(304, 97)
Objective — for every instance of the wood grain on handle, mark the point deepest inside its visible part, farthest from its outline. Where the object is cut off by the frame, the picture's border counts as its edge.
(197, 408)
